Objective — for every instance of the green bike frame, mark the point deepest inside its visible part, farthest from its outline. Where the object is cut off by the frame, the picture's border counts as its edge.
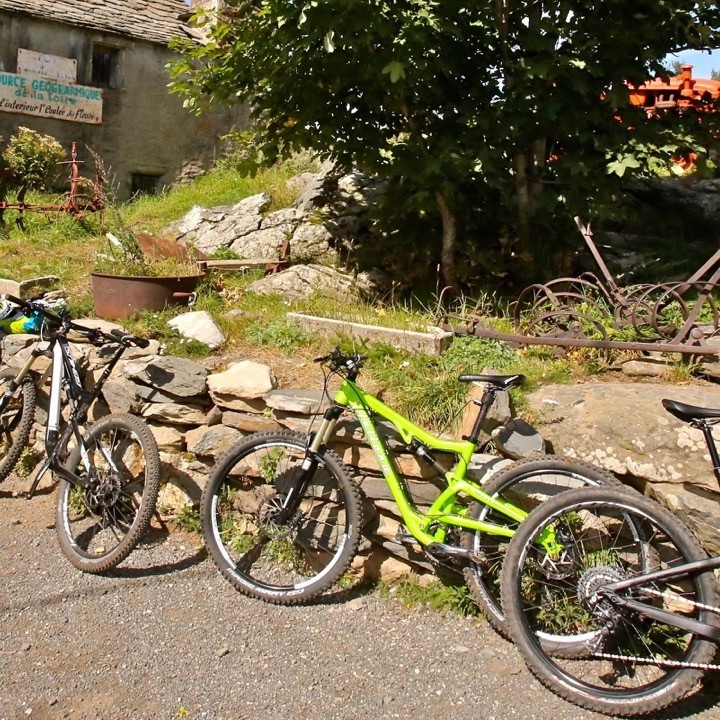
(430, 526)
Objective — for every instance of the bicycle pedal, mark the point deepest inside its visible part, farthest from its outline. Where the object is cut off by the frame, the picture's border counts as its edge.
(403, 536)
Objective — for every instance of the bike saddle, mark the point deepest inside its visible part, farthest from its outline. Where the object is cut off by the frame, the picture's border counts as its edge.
(687, 413)
(502, 382)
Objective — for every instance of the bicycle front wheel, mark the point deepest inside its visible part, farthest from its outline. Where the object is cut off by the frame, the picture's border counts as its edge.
(16, 420)
(265, 551)
(634, 663)
(99, 525)
(525, 484)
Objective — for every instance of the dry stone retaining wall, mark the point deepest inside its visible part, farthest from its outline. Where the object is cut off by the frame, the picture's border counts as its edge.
(196, 415)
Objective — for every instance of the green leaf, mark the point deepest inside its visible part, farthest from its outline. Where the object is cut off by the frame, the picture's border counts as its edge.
(395, 69)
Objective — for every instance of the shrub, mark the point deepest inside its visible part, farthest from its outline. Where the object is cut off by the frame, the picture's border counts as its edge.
(33, 158)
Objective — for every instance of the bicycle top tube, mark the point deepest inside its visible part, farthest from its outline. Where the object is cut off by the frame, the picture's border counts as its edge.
(351, 396)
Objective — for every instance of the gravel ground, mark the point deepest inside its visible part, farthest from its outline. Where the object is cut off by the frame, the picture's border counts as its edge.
(167, 637)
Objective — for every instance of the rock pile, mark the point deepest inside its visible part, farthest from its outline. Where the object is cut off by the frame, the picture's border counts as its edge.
(328, 220)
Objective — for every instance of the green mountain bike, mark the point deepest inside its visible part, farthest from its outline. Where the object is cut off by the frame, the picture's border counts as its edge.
(282, 515)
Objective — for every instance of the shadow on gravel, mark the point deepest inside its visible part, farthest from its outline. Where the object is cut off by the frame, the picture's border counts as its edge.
(22, 494)
(150, 558)
(707, 697)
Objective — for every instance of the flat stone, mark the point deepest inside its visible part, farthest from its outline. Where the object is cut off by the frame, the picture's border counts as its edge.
(212, 441)
(306, 402)
(179, 376)
(246, 380)
(248, 422)
(432, 342)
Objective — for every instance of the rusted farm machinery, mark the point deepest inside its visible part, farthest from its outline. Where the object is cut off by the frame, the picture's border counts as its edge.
(77, 202)
(676, 317)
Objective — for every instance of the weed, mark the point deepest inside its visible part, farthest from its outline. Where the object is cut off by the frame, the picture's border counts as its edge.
(434, 595)
(280, 334)
(29, 458)
(188, 519)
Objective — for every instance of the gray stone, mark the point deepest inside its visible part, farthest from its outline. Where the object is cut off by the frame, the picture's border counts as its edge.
(518, 439)
(121, 395)
(647, 367)
(433, 341)
(178, 376)
(25, 288)
(12, 344)
(168, 438)
(301, 282)
(212, 441)
(624, 428)
(262, 244)
(249, 423)
(175, 413)
(306, 402)
(313, 241)
(246, 380)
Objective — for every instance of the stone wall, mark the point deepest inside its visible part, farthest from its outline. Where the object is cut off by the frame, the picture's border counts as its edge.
(196, 415)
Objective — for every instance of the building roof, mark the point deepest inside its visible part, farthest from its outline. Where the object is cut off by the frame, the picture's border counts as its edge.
(156, 21)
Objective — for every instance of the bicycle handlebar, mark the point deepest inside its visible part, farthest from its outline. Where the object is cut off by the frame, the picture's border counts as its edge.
(342, 361)
(93, 334)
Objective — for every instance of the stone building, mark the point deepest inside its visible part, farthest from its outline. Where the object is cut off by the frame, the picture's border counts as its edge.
(93, 71)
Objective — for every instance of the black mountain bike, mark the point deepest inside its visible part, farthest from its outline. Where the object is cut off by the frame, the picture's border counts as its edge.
(627, 582)
(109, 470)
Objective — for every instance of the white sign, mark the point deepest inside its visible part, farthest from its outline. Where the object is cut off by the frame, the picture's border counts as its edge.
(32, 95)
(47, 66)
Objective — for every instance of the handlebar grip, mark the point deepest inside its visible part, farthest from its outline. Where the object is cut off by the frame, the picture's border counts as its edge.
(14, 300)
(127, 338)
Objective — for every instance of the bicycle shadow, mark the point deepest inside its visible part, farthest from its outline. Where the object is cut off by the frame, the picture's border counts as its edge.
(704, 699)
(150, 557)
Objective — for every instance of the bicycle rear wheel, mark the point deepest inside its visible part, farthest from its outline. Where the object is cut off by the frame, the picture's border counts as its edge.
(525, 484)
(99, 525)
(632, 664)
(282, 561)
(16, 420)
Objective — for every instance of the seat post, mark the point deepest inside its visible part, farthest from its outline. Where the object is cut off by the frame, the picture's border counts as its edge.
(485, 403)
(712, 448)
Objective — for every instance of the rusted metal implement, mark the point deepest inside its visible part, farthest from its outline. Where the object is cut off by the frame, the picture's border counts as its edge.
(77, 201)
(676, 317)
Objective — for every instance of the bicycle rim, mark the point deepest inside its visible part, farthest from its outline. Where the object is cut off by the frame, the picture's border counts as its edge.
(526, 484)
(632, 664)
(99, 525)
(263, 555)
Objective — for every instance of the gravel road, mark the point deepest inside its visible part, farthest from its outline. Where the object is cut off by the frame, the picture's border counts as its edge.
(167, 637)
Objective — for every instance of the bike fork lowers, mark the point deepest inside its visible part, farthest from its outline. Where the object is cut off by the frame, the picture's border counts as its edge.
(309, 465)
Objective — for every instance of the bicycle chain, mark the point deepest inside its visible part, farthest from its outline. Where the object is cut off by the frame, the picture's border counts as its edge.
(666, 663)
(679, 598)
(654, 661)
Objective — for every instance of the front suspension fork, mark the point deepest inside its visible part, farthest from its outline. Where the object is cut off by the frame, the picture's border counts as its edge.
(313, 455)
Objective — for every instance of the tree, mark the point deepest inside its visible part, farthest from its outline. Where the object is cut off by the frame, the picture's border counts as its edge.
(494, 117)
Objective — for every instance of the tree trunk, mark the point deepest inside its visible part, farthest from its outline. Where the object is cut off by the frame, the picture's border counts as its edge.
(448, 267)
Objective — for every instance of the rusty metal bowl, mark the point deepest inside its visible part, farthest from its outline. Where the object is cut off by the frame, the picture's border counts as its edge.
(118, 297)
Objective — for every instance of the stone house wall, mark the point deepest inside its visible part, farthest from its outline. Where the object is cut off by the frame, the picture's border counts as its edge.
(145, 131)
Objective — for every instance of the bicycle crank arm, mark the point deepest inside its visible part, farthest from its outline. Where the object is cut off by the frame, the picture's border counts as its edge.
(692, 626)
(441, 551)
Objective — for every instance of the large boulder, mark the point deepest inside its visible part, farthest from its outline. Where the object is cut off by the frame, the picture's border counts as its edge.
(303, 281)
(624, 428)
